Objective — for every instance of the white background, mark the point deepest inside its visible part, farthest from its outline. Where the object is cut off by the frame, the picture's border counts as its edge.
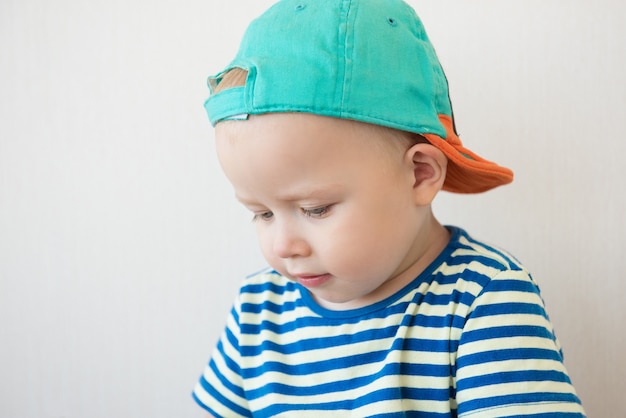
(121, 245)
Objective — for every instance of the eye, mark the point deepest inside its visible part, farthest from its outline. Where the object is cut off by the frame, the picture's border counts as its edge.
(262, 216)
(318, 212)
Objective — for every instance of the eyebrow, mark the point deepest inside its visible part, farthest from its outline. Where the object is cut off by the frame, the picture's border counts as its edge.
(305, 194)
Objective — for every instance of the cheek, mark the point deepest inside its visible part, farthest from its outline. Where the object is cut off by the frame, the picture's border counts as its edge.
(376, 235)
(265, 242)
(354, 242)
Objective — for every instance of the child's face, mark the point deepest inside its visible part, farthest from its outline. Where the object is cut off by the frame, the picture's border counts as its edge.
(333, 205)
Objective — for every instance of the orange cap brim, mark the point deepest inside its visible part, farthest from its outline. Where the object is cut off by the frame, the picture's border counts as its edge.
(467, 172)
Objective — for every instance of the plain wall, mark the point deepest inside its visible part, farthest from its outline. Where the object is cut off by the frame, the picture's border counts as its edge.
(121, 245)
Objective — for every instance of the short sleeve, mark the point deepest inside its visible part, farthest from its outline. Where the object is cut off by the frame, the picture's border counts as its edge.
(509, 362)
(220, 389)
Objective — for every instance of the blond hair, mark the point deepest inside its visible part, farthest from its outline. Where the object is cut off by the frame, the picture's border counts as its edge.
(235, 77)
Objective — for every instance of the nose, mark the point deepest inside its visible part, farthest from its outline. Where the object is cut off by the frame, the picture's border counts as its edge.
(288, 242)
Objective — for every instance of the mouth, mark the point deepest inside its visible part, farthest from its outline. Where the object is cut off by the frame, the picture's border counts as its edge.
(312, 281)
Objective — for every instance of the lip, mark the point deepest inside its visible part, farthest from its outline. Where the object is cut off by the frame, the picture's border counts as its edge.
(312, 280)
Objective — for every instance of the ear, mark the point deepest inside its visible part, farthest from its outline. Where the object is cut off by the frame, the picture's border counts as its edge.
(428, 165)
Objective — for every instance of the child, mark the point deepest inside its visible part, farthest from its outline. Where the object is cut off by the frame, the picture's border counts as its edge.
(334, 126)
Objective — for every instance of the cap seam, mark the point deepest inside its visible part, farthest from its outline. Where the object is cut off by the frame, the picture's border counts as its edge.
(342, 58)
(360, 116)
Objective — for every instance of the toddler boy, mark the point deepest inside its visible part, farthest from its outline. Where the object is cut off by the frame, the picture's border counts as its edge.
(334, 126)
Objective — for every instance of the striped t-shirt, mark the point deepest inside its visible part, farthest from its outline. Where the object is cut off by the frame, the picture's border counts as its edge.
(468, 337)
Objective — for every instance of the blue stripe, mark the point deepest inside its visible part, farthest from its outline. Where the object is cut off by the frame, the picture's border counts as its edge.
(318, 343)
(269, 307)
(312, 322)
(513, 377)
(231, 338)
(267, 286)
(304, 369)
(508, 308)
(203, 405)
(409, 344)
(464, 298)
(512, 264)
(416, 344)
(222, 399)
(232, 366)
(399, 369)
(505, 332)
(315, 321)
(347, 405)
(513, 285)
(474, 259)
(235, 315)
(509, 354)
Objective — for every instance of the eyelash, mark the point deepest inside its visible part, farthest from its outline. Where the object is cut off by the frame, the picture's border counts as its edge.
(264, 216)
(316, 213)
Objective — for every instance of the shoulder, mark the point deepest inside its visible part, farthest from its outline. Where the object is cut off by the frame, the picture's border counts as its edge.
(467, 256)
(474, 267)
(267, 285)
(266, 296)
(466, 249)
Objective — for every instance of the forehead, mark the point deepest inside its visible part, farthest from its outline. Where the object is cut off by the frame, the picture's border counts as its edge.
(286, 131)
(292, 151)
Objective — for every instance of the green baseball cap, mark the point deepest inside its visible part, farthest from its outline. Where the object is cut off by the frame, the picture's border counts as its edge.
(365, 60)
